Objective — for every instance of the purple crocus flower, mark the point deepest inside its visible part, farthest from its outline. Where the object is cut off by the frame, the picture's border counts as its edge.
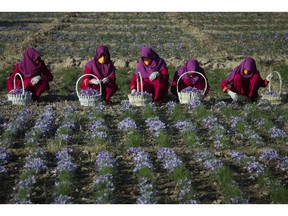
(169, 159)
(269, 155)
(104, 160)
(277, 133)
(127, 124)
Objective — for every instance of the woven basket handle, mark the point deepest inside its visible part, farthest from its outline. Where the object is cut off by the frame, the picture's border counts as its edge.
(22, 82)
(280, 80)
(190, 72)
(81, 78)
(141, 83)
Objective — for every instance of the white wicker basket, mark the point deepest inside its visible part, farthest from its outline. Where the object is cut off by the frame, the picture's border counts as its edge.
(139, 100)
(277, 98)
(185, 97)
(20, 99)
(89, 100)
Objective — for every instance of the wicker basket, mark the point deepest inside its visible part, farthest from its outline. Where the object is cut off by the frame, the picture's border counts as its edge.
(185, 97)
(89, 100)
(139, 100)
(20, 99)
(277, 97)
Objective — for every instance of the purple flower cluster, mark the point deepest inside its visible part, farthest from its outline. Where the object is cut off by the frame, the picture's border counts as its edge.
(283, 163)
(89, 92)
(45, 122)
(66, 130)
(272, 93)
(269, 155)
(145, 94)
(169, 159)
(277, 133)
(170, 105)
(155, 126)
(147, 192)
(97, 128)
(104, 187)
(105, 160)
(63, 199)
(185, 126)
(192, 90)
(211, 121)
(192, 104)
(141, 159)
(127, 124)
(19, 123)
(250, 164)
(4, 157)
(212, 164)
(208, 160)
(103, 183)
(24, 188)
(125, 105)
(255, 169)
(237, 157)
(65, 161)
(19, 90)
(203, 156)
(35, 162)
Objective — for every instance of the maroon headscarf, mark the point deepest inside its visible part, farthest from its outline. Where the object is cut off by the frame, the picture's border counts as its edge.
(156, 65)
(101, 70)
(27, 66)
(191, 65)
(247, 64)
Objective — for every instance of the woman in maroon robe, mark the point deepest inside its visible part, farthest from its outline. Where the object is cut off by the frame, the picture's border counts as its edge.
(244, 80)
(34, 72)
(102, 67)
(193, 79)
(154, 73)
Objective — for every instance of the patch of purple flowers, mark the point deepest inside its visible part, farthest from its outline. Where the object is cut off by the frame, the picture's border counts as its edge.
(192, 104)
(104, 187)
(63, 199)
(127, 124)
(212, 164)
(255, 169)
(145, 94)
(89, 92)
(277, 133)
(169, 159)
(185, 126)
(125, 105)
(155, 126)
(141, 159)
(104, 160)
(192, 90)
(269, 155)
(65, 161)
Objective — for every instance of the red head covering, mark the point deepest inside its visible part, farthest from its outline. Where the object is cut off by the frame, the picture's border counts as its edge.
(27, 66)
(101, 70)
(191, 65)
(247, 64)
(156, 65)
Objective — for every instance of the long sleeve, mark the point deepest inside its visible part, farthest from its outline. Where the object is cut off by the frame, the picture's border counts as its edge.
(133, 82)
